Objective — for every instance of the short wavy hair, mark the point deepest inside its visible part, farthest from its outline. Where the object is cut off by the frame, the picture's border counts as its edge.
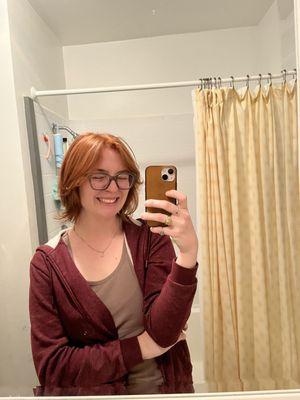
(80, 159)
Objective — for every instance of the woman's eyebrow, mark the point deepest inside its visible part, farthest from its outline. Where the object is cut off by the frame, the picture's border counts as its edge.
(101, 170)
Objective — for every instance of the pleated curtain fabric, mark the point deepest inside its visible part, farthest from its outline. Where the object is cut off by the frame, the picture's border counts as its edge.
(249, 213)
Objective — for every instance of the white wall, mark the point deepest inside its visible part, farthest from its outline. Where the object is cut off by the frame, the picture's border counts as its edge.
(268, 47)
(151, 60)
(276, 45)
(15, 244)
(30, 55)
(37, 61)
(288, 45)
(37, 55)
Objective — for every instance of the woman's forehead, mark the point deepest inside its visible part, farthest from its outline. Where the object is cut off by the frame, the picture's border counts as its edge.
(110, 159)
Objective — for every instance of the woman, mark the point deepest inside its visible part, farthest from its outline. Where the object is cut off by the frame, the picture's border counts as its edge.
(108, 299)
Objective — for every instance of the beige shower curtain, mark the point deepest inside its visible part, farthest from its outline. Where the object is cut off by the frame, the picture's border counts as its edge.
(249, 214)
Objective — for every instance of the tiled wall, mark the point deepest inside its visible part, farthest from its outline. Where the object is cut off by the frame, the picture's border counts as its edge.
(44, 120)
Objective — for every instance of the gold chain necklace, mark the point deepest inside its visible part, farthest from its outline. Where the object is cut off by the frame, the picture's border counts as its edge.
(101, 252)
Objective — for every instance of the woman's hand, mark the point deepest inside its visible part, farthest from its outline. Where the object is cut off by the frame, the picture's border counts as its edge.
(179, 226)
(150, 349)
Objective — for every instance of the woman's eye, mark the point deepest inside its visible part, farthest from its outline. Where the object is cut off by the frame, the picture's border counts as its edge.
(99, 178)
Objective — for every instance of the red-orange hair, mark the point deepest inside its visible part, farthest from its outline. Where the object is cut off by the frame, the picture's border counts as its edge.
(80, 159)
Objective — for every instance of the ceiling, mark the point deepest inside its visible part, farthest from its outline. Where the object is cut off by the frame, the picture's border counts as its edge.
(78, 22)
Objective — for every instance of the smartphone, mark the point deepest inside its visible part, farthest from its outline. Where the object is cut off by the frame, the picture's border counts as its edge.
(159, 179)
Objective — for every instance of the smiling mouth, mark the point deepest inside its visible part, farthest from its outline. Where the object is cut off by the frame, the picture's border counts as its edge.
(107, 201)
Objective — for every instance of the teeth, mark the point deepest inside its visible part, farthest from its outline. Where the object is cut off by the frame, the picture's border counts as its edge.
(108, 201)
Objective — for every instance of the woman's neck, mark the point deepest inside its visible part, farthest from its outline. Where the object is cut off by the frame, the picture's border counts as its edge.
(98, 227)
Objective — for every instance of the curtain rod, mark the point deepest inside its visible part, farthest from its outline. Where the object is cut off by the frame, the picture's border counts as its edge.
(42, 93)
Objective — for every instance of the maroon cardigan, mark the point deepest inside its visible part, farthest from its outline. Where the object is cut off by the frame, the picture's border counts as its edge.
(75, 344)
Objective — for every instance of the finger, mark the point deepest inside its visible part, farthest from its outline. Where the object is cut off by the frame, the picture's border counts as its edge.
(157, 217)
(180, 197)
(162, 230)
(162, 204)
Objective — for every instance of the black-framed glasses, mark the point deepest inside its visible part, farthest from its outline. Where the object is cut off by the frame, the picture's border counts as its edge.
(101, 180)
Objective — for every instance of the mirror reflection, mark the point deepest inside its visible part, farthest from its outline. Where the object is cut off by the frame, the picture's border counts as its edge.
(231, 144)
(109, 301)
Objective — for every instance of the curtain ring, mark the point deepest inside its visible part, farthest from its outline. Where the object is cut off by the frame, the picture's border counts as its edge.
(215, 83)
(201, 83)
(284, 76)
(210, 83)
(220, 82)
(295, 73)
(232, 82)
(270, 78)
(247, 84)
(259, 80)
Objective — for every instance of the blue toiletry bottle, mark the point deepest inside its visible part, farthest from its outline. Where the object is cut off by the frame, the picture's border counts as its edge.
(58, 149)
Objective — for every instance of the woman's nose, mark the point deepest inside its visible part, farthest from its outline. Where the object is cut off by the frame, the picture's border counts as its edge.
(112, 187)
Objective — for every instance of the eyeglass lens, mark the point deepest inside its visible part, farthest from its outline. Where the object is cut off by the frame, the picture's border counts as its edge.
(102, 181)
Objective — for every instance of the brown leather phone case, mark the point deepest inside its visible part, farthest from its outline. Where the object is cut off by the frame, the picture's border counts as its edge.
(156, 187)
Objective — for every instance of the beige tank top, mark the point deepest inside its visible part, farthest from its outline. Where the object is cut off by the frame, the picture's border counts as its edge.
(122, 295)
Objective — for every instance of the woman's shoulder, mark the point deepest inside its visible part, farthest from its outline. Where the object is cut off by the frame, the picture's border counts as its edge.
(135, 223)
(44, 250)
(136, 231)
(140, 228)
(54, 240)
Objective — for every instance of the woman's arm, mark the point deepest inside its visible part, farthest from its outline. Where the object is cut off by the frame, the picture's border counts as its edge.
(151, 349)
(170, 283)
(169, 292)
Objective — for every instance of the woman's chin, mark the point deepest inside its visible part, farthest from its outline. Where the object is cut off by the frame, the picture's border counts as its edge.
(109, 210)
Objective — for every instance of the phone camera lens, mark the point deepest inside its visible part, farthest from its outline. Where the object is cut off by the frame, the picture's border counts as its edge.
(170, 171)
(165, 177)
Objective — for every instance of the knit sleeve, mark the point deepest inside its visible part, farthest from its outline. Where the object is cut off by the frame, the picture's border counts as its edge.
(169, 292)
